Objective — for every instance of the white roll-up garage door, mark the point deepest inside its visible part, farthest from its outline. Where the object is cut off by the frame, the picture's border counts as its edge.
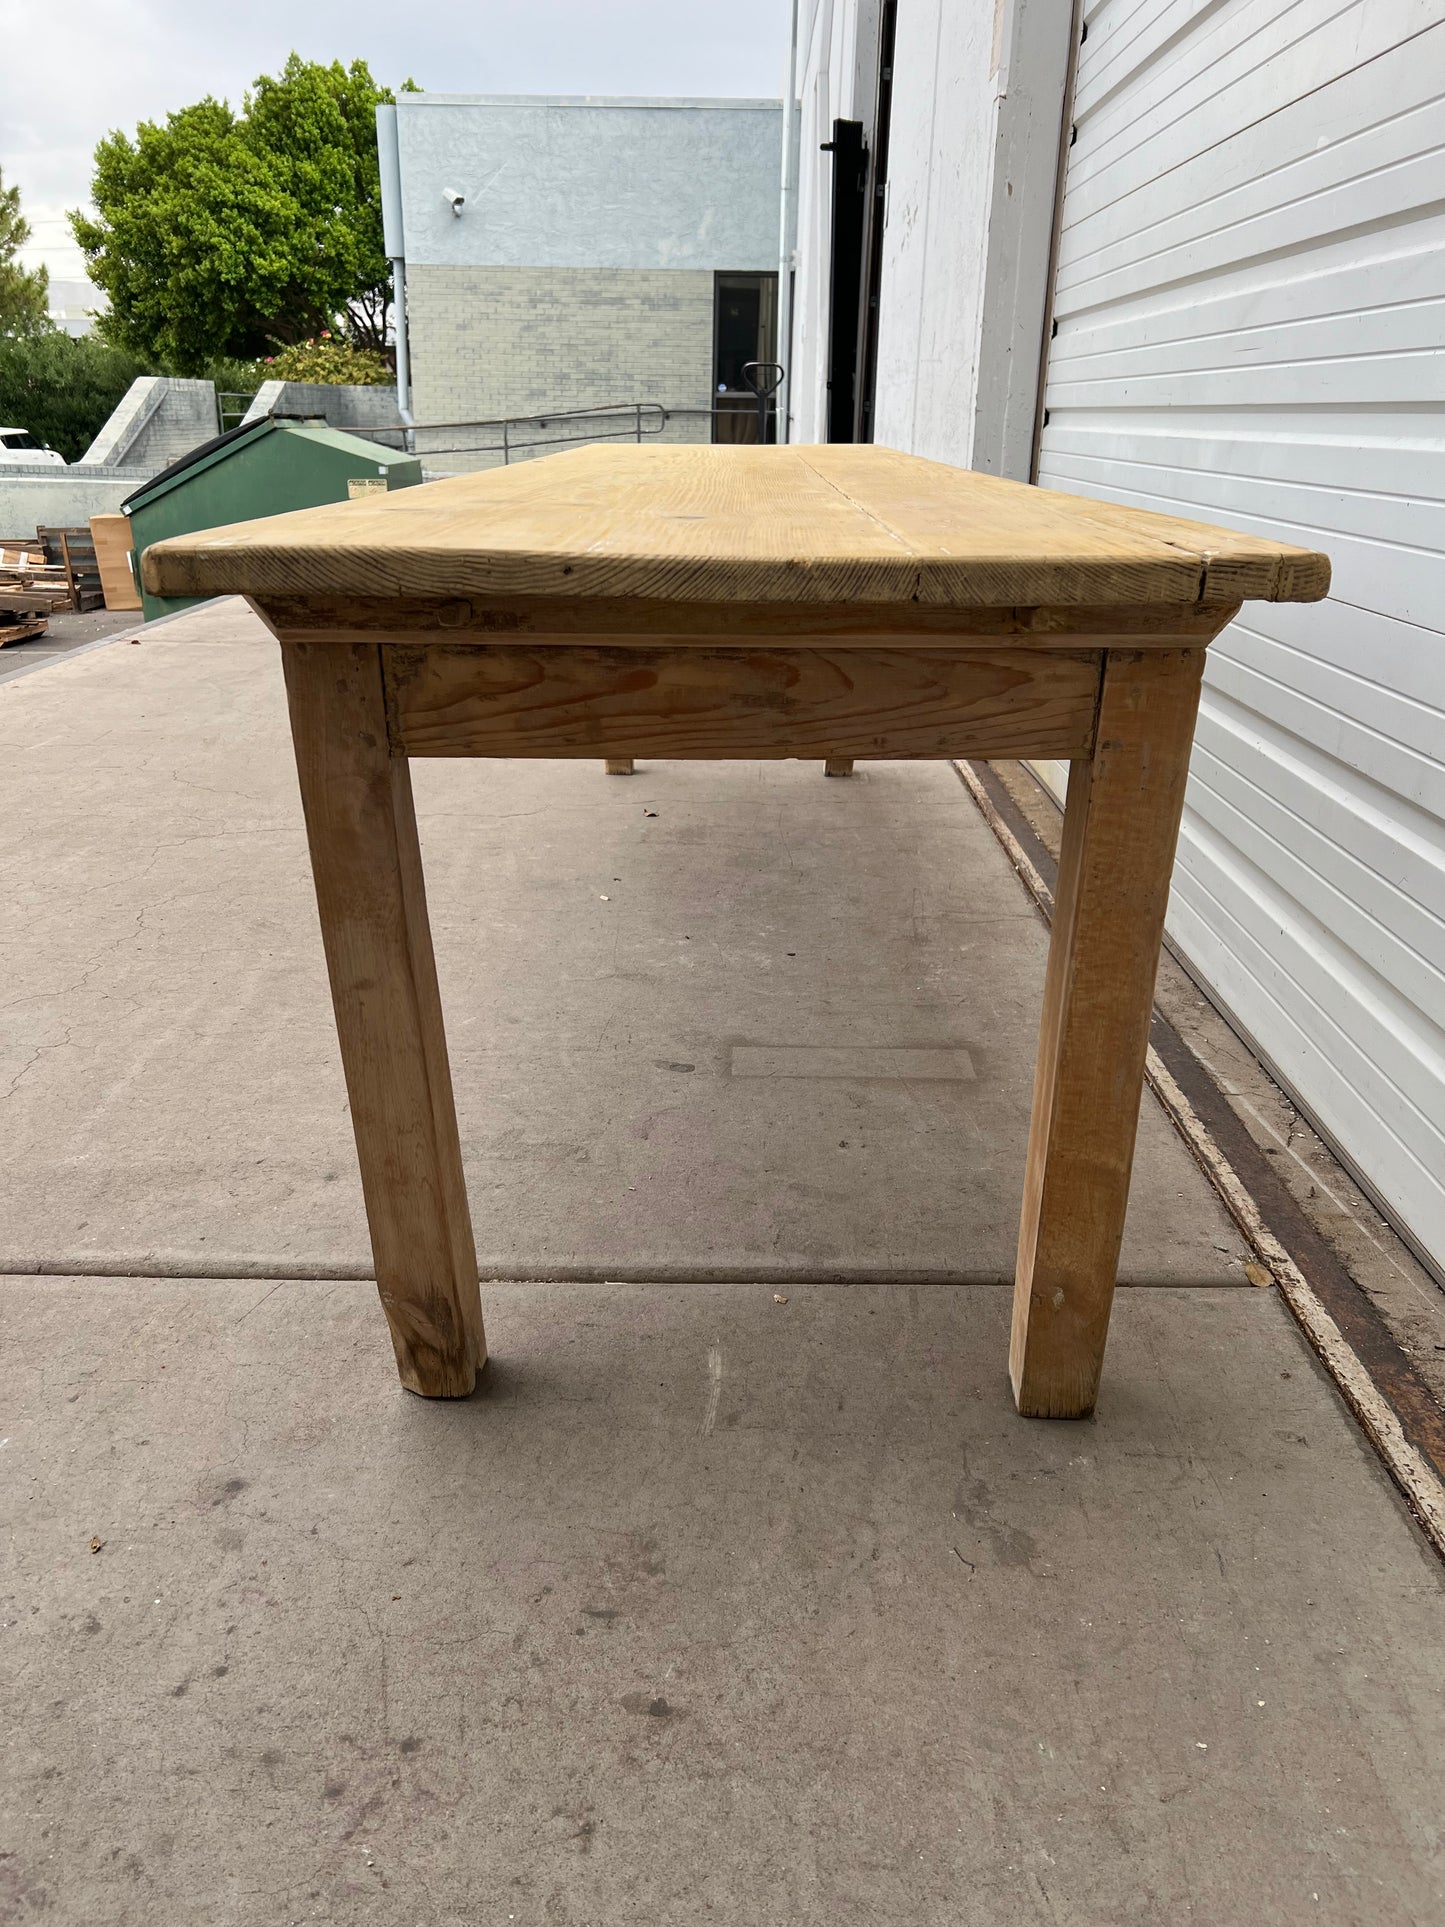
(1250, 312)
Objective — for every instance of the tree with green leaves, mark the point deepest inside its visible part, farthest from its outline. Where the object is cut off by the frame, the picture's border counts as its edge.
(24, 292)
(229, 234)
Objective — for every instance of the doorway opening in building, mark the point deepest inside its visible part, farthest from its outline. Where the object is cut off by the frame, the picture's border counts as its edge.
(745, 328)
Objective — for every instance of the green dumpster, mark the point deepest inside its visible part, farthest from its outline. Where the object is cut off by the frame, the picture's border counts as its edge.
(261, 468)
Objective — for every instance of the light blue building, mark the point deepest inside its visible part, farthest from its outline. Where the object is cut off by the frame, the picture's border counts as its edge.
(580, 254)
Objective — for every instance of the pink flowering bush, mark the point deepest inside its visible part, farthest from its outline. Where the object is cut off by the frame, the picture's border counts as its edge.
(332, 359)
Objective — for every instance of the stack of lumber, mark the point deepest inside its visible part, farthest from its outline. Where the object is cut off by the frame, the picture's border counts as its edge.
(30, 589)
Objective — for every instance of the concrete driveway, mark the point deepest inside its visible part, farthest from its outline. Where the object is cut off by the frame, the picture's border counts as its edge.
(738, 1591)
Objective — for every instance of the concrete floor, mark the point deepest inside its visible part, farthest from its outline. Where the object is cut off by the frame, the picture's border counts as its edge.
(611, 950)
(706, 1606)
(69, 633)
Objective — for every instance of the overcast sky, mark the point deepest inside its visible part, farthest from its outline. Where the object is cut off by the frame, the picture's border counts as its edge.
(111, 63)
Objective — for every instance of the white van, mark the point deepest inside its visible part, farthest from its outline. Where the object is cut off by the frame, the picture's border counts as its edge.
(18, 445)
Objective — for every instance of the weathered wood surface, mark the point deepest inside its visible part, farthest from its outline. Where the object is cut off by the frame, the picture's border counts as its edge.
(708, 602)
(512, 700)
(1120, 829)
(735, 524)
(369, 891)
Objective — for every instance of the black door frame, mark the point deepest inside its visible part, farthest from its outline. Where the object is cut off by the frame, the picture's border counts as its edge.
(845, 275)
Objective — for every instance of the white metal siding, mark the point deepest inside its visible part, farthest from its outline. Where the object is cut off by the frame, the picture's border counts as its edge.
(1250, 308)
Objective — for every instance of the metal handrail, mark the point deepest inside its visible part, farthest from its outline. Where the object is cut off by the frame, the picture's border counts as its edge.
(633, 421)
(223, 395)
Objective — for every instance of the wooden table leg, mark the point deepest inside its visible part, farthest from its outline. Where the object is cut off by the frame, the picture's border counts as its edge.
(1120, 828)
(838, 766)
(369, 890)
(619, 765)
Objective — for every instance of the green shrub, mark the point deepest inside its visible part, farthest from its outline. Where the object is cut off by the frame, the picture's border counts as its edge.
(232, 377)
(62, 389)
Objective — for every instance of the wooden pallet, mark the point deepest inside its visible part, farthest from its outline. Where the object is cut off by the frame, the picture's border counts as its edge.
(21, 630)
(73, 551)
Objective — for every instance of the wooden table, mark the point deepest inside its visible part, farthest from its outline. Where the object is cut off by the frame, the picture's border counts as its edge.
(830, 602)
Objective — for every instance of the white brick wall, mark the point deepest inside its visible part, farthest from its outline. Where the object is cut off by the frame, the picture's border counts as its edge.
(488, 343)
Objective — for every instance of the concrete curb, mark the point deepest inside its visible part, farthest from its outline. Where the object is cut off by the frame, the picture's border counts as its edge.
(135, 631)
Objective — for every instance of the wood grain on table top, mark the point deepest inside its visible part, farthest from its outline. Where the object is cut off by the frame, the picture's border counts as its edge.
(799, 524)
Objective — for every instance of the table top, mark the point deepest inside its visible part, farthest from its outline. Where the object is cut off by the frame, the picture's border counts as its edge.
(793, 525)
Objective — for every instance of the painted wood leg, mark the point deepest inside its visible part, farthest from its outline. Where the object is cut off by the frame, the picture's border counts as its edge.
(369, 890)
(1121, 824)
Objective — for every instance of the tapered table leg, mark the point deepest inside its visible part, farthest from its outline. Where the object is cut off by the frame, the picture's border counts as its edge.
(1121, 824)
(369, 890)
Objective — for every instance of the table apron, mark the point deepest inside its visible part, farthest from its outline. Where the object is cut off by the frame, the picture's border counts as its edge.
(634, 622)
(514, 699)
